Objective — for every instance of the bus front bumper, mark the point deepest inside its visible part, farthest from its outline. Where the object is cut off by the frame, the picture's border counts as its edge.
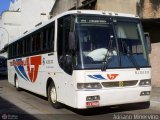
(113, 96)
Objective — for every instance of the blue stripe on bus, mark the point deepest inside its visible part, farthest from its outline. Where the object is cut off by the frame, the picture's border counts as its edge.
(22, 71)
(19, 72)
(97, 77)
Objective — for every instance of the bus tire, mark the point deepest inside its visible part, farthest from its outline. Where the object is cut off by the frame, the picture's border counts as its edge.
(17, 84)
(52, 96)
(145, 105)
(141, 105)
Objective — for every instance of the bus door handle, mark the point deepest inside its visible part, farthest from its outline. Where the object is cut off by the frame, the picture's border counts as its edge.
(50, 54)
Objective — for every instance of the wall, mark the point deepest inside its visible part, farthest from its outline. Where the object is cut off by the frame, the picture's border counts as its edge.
(62, 6)
(34, 12)
(151, 13)
(22, 16)
(123, 6)
(150, 8)
(155, 62)
(10, 27)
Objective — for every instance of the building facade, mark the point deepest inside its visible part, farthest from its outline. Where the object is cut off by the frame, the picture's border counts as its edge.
(123, 6)
(22, 16)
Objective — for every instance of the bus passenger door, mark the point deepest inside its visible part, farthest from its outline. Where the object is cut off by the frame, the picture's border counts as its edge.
(64, 55)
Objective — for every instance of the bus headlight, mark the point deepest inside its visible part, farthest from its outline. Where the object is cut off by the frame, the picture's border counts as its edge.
(89, 86)
(145, 82)
(144, 93)
(92, 98)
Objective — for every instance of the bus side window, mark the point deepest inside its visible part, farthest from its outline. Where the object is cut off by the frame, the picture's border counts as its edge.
(15, 49)
(44, 42)
(28, 45)
(20, 48)
(50, 43)
(10, 54)
(33, 43)
(38, 42)
(25, 47)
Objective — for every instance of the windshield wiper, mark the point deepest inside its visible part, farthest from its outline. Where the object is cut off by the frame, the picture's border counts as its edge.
(129, 55)
(105, 63)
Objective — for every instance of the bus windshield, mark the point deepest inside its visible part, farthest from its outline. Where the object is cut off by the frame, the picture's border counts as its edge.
(117, 41)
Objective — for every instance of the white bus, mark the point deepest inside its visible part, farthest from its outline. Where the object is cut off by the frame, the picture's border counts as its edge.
(83, 59)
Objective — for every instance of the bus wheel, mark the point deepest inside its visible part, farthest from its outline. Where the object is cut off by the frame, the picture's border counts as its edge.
(52, 96)
(17, 84)
(145, 105)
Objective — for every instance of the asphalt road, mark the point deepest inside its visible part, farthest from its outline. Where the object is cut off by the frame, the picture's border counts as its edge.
(25, 105)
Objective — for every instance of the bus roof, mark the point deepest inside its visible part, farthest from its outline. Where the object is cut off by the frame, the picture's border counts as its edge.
(92, 12)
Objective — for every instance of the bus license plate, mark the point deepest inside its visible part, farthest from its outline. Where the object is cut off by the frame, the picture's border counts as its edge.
(92, 104)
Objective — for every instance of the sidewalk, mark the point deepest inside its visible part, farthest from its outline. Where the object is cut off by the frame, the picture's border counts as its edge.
(155, 94)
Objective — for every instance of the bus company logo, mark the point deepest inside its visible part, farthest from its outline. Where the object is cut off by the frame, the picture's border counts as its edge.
(112, 76)
(32, 64)
(100, 77)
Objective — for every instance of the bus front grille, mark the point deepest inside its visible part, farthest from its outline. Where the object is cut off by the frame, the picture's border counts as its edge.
(120, 83)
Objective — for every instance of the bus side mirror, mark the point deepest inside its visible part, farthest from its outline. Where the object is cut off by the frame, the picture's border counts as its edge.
(68, 64)
(72, 41)
(148, 41)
